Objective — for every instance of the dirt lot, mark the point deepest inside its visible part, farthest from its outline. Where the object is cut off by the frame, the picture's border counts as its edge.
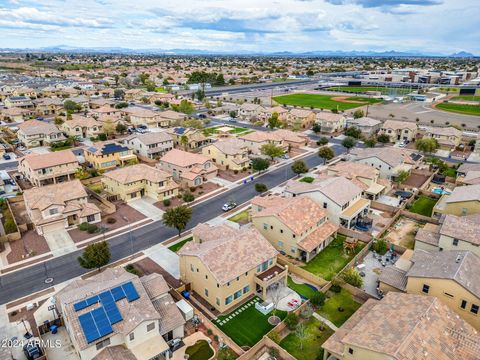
(403, 232)
(148, 266)
(123, 210)
(416, 180)
(231, 176)
(31, 243)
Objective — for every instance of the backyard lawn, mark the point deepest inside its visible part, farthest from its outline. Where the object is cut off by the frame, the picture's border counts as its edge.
(179, 245)
(241, 217)
(332, 259)
(304, 290)
(460, 108)
(248, 326)
(322, 101)
(330, 309)
(312, 345)
(423, 205)
(201, 350)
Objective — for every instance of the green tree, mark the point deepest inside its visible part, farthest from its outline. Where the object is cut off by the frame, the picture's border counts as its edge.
(95, 256)
(186, 107)
(371, 142)
(322, 141)
(271, 150)
(352, 277)
(220, 80)
(316, 128)
(177, 217)
(318, 299)
(299, 167)
(120, 128)
(291, 321)
(357, 114)
(348, 143)
(273, 121)
(402, 176)
(380, 246)
(427, 145)
(71, 106)
(326, 153)
(301, 334)
(259, 187)
(353, 132)
(184, 141)
(108, 128)
(259, 164)
(143, 78)
(119, 94)
(150, 86)
(383, 138)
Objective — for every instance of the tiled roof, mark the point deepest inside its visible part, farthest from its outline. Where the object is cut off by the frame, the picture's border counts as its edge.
(34, 127)
(231, 146)
(115, 352)
(464, 193)
(407, 327)
(151, 137)
(170, 316)
(288, 135)
(302, 113)
(260, 136)
(228, 252)
(81, 121)
(392, 156)
(394, 277)
(329, 117)
(399, 125)
(351, 170)
(59, 194)
(446, 131)
(317, 237)
(138, 172)
(183, 158)
(466, 228)
(365, 122)
(41, 161)
(428, 237)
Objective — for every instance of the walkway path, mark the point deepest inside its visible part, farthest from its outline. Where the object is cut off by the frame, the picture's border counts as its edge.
(326, 321)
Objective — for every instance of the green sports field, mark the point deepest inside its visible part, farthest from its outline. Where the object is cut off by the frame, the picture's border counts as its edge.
(323, 101)
(460, 109)
(467, 97)
(363, 89)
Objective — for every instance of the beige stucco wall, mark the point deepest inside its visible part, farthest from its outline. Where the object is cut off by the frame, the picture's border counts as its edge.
(224, 160)
(152, 190)
(460, 208)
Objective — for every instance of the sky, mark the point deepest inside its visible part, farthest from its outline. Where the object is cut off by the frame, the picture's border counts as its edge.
(427, 26)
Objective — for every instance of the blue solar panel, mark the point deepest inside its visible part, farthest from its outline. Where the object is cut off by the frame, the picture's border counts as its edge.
(101, 321)
(80, 305)
(89, 328)
(117, 293)
(113, 313)
(112, 148)
(92, 300)
(130, 291)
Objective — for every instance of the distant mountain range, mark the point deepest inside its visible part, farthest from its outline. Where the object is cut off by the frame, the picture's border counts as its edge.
(319, 53)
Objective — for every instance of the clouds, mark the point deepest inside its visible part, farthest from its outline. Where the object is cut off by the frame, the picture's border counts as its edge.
(254, 25)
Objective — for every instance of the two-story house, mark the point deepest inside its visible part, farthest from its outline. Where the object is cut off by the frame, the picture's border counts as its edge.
(300, 118)
(230, 154)
(297, 227)
(108, 154)
(23, 102)
(448, 138)
(330, 122)
(81, 127)
(34, 133)
(150, 145)
(188, 169)
(257, 139)
(49, 168)
(399, 130)
(188, 138)
(464, 200)
(366, 125)
(250, 112)
(59, 206)
(225, 266)
(49, 106)
(140, 180)
(291, 138)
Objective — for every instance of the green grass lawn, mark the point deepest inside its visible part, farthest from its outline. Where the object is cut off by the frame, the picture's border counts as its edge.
(423, 205)
(238, 130)
(318, 101)
(96, 187)
(312, 345)
(210, 131)
(447, 90)
(467, 97)
(201, 350)
(302, 289)
(332, 259)
(363, 89)
(459, 108)
(179, 245)
(450, 172)
(330, 309)
(240, 217)
(247, 327)
(307, 179)
(160, 90)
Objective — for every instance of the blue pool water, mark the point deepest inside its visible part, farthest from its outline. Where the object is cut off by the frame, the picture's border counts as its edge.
(440, 191)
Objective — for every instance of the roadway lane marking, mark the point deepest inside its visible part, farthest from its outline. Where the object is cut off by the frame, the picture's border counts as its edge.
(423, 112)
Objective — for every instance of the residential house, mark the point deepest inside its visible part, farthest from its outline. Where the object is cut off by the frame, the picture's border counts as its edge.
(81, 100)
(330, 122)
(134, 94)
(291, 139)
(108, 154)
(81, 127)
(139, 316)
(33, 133)
(230, 154)
(468, 174)
(107, 111)
(15, 114)
(297, 227)
(340, 197)
(140, 180)
(400, 327)
(268, 112)
(59, 206)
(49, 168)
(300, 118)
(97, 103)
(399, 130)
(170, 118)
(464, 200)
(451, 276)
(389, 161)
(139, 116)
(362, 175)
(188, 138)
(453, 233)
(250, 112)
(187, 168)
(23, 102)
(366, 125)
(49, 106)
(448, 137)
(150, 145)
(224, 266)
(257, 139)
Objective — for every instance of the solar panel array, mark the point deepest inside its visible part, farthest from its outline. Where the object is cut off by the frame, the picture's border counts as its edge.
(98, 322)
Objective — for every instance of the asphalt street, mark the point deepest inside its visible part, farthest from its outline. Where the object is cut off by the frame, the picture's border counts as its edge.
(29, 280)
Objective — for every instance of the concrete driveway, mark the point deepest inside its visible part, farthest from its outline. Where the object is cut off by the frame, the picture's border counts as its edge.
(59, 242)
(166, 258)
(146, 207)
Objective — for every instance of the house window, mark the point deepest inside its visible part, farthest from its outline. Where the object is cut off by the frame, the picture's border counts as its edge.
(228, 300)
(350, 351)
(325, 205)
(463, 305)
(206, 277)
(293, 250)
(217, 301)
(280, 244)
(474, 309)
(455, 242)
(237, 294)
(100, 345)
(425, 288)
(206, 292)
(53, 211)
(246, 289)
(131, 336)
(150, 326)
(447, 294)
(90, 218)
(265, 227)
(281, 231)
(191, 268)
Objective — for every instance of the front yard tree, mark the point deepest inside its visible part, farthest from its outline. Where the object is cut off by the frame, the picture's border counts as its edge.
(120, 128)
(259, 164)
(371, 142)
(108, 128)
(299, 167)
(402, 176)
(353, 132)
(316, 128)
(273, 121)
(118, 94)
(177, 217)
(95, 256)
(326, 153)
(358, 114)
(322, 141)
(383, 138)
(71, 106)
(348, 143)
(272, 150)
(428, 145)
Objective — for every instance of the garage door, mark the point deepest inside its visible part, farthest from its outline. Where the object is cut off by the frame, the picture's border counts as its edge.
(55, 227)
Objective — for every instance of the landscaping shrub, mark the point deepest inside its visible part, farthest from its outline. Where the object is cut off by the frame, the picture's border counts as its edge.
(166, 202)
(92, 228)
(307, 179)
(235, 171)
(380, 246)
(9, 225)
(291, 321)
(274, 336)
(318, 299)
(336, 288)
(188, 197)
(259, 187)
(102, 137)
(192, 188)
(209, 332)
(352, 277)
(83, 226)
(131, 269)
(244, 169)
(111, 220)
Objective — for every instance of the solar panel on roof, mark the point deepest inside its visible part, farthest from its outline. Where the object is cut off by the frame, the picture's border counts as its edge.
(92, 300)
(89, 328)
(130, 291)
(117, 293)
(113, 313)
(101, 321)
(80, 305)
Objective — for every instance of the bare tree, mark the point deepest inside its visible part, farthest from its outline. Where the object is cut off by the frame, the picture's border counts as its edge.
(276, 294)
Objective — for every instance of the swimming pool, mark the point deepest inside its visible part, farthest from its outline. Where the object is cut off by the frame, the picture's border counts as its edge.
(440, 191)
